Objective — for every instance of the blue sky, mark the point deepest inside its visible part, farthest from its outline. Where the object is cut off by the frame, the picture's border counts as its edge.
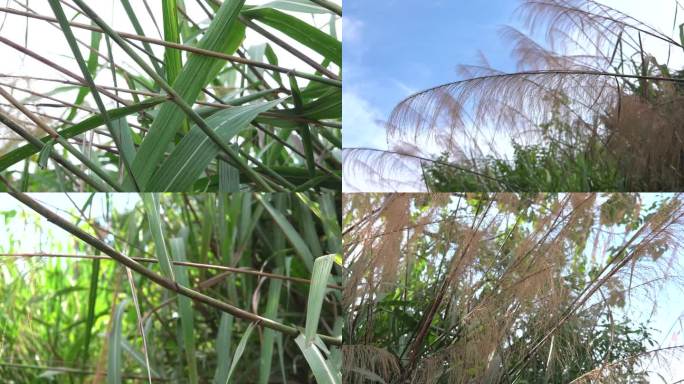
(393, 48)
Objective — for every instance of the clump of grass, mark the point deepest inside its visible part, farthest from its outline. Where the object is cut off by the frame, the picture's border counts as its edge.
(217, 290)
(533, 168)
(214, 104)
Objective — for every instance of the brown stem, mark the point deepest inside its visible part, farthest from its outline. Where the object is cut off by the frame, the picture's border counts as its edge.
(156, 278)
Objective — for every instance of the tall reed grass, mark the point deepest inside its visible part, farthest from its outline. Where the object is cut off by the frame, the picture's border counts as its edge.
(221, 288)
(228, 97)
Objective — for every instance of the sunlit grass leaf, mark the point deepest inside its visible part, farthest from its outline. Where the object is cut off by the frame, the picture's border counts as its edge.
(312, 37)
(195, 151)
(317, 290)
(188, 85)
(320, 368)
(304, 6)
(172, 57)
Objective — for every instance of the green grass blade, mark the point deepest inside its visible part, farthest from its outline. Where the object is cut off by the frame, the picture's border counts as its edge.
(92, 300)
(195, 151)
(185, 309)
(188, 86)
(331, 226)
(173, 61)
(178, 101)
(139, 30)
(224, 341)
(151, 205)
(292, 235)
(172, 57)
(317, 289)
(25, 176)
(114, 355)
(240, 350)
(304, 131)
(320, 368)
(138, 312)
(281, 357)
(308, 35)
(44, 154)
(126, 145)
(138, 357)
(229, 178)
(118, 132)
(93, 122)
(308, 225)
(266, 356)
(304, 6)
(95, 39)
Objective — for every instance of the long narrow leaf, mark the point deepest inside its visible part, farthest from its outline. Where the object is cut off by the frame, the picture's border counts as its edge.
(151, 204)
(319, 281)
(292, 235)
(93, 122)
(320, 368)
(192, 155)
(187, 85)
(306, 34)
(114, 358)
(185, 309)
(224, 341)
(266, 356)
(240, 350)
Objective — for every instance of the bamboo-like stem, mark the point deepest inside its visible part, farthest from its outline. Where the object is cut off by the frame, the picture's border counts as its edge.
(329, 5)
(181, 263)
(154, 277)
(444, 163)
(205, 52)
(578, 72)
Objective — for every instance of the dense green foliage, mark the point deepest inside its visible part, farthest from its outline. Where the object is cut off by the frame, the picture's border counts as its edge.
(250, 95)
(69, 317)
(533, 168)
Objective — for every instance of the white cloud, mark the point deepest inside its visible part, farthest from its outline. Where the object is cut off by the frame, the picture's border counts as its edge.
(353, 30)
(362, 122)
